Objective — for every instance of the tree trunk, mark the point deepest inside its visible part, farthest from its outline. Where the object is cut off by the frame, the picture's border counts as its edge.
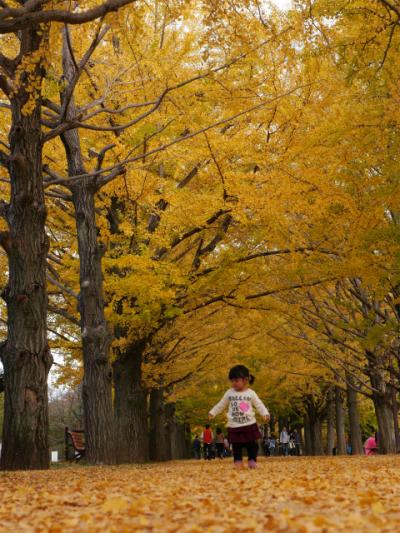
(340, 429)
(330, 444)
(188, 441)
(315, 430)
(158, 446)
(395, 411)
(178, 440)
(96, 337)
(307, 437)
(25, 354)
(384, 416)
(382, 399)
(316, 437)
(130, 406)
(354, 421)
(169, 427)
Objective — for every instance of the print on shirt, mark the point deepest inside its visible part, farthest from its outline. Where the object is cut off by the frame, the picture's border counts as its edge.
(240, 405)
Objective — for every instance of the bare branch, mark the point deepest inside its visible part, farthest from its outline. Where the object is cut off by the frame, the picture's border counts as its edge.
(15, 19)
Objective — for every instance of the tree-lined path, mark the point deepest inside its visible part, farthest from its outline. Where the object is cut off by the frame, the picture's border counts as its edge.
(187, 185)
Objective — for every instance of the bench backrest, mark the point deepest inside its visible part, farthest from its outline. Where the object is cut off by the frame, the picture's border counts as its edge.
(77, 440)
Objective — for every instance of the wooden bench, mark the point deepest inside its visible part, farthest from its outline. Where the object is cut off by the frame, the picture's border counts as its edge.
(74, 438)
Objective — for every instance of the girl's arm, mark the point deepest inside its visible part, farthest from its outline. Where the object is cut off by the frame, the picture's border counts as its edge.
(220, 406)
(258, 404)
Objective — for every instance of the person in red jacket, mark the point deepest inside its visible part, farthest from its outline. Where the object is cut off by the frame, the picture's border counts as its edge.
(208, 439)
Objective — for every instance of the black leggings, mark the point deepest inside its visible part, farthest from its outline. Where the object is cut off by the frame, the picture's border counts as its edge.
(207, 451)
(251, 447)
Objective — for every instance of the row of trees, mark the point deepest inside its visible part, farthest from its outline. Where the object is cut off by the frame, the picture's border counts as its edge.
(185, 181)
(333, 342)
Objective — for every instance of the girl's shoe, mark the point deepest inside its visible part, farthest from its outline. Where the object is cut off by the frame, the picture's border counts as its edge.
(252, 463)
(238, 464)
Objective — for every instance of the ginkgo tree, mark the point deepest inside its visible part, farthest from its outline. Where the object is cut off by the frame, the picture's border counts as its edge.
(215, 163)
(139, 251)
(25, 354)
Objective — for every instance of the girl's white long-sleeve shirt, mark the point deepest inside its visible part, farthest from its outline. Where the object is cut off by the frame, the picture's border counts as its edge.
(240, 411)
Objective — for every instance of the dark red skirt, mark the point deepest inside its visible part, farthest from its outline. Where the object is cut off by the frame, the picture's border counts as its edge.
(244, 434)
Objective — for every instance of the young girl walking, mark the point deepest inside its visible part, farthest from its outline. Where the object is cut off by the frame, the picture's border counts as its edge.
(242, 427)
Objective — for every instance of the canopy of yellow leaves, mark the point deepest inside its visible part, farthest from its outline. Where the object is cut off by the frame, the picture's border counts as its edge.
(297, 495)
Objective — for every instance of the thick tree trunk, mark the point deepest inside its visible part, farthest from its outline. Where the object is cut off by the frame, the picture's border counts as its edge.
(25, 354)
(315, 430)
(169, 427)
(316, 437)
(382, 399)
(384, 416)
(340, 428)
(158, 444)
(130, 407)
(178, 440)
(307, 436)
(96, 337)
(354, 421)
(330, 441)
(188, 440)
(395, 411)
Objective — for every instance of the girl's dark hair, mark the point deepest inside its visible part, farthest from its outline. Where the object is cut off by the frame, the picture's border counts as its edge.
(241, 371)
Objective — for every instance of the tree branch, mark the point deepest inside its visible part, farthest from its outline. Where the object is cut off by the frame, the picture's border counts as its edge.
(15, 19)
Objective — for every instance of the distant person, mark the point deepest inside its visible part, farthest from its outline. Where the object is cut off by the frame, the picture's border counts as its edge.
(196, 447)
(349, 447)
(219, 443)
(266, 443)
(292, 444)
(227, 449)
(284, 441)
(208, 438)
(371, 446)
(242, 426)
(272, 444)
(297, 441)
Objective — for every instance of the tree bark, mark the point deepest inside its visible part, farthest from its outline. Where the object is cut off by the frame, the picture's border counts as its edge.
(170, 427)
(330, 444)
(158, 444)
(130, 406)
(395, 411)
(96, 336)
(307, 436)
(25, 354)
(382, 400)
(316, 437)
(354, 421)
(340, 428)
(178, 440)
(384, 416)
(315, 430)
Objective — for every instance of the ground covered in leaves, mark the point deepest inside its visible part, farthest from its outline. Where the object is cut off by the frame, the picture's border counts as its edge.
(283, 494)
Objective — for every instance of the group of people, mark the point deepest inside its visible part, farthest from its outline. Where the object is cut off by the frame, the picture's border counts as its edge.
(289, 443)
(212, 446)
